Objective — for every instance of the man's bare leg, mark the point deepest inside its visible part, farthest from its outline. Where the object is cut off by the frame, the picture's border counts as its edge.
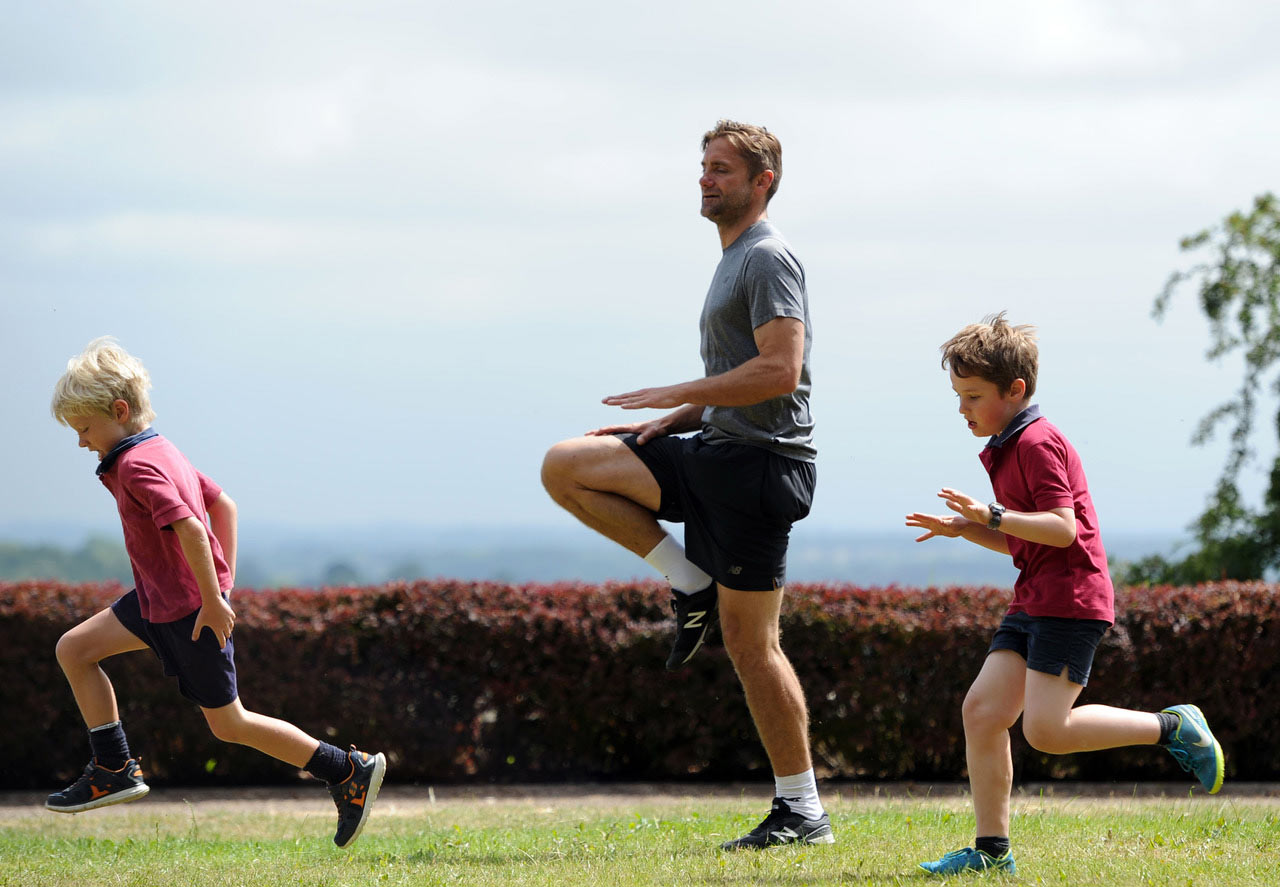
(749, 623)
(749, 620)
(603, 484)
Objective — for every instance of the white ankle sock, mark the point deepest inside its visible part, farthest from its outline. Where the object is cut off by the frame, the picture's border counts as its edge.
(668, 559)
(800, 792)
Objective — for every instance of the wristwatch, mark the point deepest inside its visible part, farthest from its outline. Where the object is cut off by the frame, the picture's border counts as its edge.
(997, 512)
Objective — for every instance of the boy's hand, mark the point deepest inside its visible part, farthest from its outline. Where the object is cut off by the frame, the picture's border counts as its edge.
(219, 618)
(947, 525)
(966, 506)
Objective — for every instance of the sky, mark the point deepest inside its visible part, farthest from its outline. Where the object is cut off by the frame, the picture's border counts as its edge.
(379, 256)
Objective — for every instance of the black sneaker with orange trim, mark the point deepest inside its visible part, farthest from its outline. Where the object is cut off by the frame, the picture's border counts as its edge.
(99, 787)
(355, 794)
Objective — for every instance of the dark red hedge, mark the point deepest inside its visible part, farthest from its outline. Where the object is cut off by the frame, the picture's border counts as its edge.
(458, 681)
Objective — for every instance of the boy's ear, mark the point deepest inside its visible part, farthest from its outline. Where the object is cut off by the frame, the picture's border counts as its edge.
(120, 411)
(1018, 389)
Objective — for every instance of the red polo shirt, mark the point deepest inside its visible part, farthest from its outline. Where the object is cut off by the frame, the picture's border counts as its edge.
(154, 486)
(1033, 467)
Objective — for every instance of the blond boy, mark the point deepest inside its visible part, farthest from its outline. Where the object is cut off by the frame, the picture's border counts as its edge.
(180, 533)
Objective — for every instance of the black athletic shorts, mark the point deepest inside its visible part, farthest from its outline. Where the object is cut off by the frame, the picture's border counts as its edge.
(206, 674)
(737, 503)
(1049, 643)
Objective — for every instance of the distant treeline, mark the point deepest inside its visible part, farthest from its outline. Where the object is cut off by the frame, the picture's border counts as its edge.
(97, 560)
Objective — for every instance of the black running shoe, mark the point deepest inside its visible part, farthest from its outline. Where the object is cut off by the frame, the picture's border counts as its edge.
(355, 794)
(99, 787)
(694, 615)
(782, 826)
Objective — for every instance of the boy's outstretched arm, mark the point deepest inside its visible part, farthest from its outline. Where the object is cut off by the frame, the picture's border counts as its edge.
(952, 525)
(215, 612)
(1056, 527)
(222, 520)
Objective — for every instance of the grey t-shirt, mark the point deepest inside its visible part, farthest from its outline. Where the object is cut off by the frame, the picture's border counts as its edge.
(758, 279)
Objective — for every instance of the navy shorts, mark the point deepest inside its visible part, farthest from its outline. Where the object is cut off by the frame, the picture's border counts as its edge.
(206, 674)
(737, 503)
(1050, 643)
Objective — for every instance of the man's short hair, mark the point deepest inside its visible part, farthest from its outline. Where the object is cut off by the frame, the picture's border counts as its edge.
(759, 147)
(99, 376)
(996, 352)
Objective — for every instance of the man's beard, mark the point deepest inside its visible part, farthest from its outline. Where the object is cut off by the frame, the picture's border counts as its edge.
(731, 208)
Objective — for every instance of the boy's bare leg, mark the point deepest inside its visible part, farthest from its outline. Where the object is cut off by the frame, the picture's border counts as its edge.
(602, 483)
(749, 625)
(80, 650)
(272, 736)
(990, 709)
(1052, 726)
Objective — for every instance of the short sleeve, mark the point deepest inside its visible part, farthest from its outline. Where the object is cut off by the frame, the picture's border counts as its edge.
(774, 284)
(209, 491)
(155, 492)
(1044, 465)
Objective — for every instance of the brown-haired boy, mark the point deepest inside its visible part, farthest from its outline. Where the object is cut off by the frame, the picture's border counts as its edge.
(1063, 601)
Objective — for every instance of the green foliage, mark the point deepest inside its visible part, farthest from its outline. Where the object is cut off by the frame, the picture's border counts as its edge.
(1238, 283)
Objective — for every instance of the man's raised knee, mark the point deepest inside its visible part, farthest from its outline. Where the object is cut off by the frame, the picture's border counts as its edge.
(557, 468)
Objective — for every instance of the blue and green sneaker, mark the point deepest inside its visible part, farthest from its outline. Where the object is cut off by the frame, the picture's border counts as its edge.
(1194, 748)
(970, 860)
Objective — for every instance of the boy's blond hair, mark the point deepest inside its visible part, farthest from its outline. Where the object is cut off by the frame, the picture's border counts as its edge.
(995, 352)
(759, 147)
(99, 376)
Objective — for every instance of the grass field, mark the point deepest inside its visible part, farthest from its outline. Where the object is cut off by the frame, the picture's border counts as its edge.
(573, 839)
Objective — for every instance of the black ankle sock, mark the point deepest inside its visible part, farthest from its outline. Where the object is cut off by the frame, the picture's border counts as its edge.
(993, 847)
(329, 763)
(1168, 725)
(110, 747)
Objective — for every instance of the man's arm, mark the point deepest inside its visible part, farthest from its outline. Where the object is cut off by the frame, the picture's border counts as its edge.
(773, 372)
(222, 520)
(215, 612)
(687, 418)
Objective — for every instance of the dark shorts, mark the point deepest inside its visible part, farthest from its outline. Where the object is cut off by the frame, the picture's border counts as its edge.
(737, 504)
(206, 674)
(1050, 643)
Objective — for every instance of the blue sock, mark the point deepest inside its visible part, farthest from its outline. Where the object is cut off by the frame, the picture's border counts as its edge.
(329, 763)
(110, 748)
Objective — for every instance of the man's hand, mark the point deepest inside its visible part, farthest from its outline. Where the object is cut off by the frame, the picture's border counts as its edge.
(664, 398)
(947, 525)
(644, 431)
(219, 618)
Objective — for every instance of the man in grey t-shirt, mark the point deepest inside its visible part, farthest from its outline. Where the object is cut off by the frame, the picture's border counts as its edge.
(739, 483)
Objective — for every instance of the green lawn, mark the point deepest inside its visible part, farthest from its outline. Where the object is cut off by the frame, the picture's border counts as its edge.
(617, 841)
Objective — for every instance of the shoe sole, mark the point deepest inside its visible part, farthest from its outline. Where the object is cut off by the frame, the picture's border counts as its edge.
(375, 783)
(120, 797)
